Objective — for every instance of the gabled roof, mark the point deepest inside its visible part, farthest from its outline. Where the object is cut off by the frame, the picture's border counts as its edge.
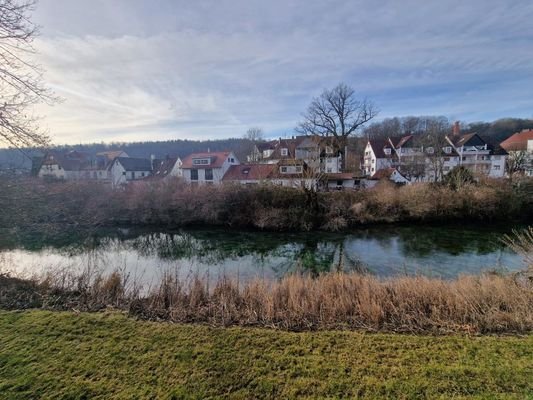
(71, 161)
(246, 172)
(518, 142)
(164, 167)
(403, 141)
(135, 164)
(378, 146)
(470, 139)
(110, 155)
(386, 173)
(217, 159)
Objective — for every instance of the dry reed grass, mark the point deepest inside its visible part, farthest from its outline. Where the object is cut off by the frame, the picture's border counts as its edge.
(490, 303)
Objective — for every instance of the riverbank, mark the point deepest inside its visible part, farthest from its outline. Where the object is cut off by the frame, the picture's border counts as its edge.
(485, 304)
(28, 203)
(108, 356)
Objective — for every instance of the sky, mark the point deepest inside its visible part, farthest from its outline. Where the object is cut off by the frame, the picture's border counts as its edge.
(134, 70)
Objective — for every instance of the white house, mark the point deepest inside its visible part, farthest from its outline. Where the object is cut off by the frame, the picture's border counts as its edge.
(209, 167)
(104, 160)
(126, 169)
(379, 154)
(520, 145)
(64, 165)
(167, 168)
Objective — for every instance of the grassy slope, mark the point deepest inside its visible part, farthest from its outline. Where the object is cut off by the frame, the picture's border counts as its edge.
(67, 356)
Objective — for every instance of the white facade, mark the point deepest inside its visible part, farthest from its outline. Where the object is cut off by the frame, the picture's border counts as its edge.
(207, 169)
(373, 163)
(120, 175)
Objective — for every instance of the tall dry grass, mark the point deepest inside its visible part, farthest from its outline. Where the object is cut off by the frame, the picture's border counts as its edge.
(489, 303)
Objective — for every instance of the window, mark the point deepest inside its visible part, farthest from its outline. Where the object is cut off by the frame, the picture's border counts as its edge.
(194, 174)
(372, 169)
(430, 150)
(201, 161)
(142, 173)
(446, 158)
(209, 174)
(373, 161)
(124, 173)
(386, 151)
(448, 149)
(496, 167)
(329, 170)
(329, 150)
(59, 167)
(298, 169)
(284, 151)
(340, 183)
(132, 175)
(283, 169)
(367, 153)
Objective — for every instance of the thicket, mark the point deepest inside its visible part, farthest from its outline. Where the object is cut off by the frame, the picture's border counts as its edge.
(33, 202)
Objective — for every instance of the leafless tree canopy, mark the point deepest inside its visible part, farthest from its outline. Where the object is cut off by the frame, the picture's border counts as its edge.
(338, 113)
(254, 134)
(21, 84)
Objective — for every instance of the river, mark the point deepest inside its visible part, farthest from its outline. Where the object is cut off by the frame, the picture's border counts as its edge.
(437, 251)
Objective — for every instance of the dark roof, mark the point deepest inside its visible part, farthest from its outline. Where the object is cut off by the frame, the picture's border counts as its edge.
(71, 161)
(217, 159)
(403, 141)
(378, 145)
(163, 167)
(245, 172)
(135, 164)
(346, 176)
(470, 139)
(518, 142)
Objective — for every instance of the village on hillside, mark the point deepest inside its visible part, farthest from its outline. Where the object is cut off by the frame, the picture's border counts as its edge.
(311, 161)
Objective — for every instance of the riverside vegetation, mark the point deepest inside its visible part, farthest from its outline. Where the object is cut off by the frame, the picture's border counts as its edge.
(30, 203)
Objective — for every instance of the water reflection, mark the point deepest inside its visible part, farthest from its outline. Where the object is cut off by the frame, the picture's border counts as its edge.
(384, 251)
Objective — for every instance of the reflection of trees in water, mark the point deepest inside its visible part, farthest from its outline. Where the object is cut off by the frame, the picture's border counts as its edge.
(315, 252)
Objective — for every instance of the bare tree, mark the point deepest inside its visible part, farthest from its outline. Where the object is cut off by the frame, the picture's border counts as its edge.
(337, 113)
(516, 162)
(21, 85)
(254, 134)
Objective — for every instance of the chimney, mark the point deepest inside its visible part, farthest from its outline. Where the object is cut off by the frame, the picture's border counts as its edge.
(152, 159)
(456, 128)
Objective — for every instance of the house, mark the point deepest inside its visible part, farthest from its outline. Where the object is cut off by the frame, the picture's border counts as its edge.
(294, 173)
(64, 165)
(477, 155)
(392, 174)
(166, 168)
(104, 160)
(340, 181)
(318, 152)
(126, 169)
(209, 167)
(379, 154)
(520, 149)
(249, 174)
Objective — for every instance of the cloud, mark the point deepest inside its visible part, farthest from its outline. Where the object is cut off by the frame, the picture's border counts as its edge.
(132, 71)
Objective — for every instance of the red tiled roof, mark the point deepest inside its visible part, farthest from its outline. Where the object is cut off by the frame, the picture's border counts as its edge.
(518, 142)
(245, 172)
(217, 159)
(384, 173)
(340, 176)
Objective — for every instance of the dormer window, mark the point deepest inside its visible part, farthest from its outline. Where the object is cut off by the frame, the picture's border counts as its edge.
(448, 149)
(387, 151)
(201, 161)
(329, 150)
(284, 151)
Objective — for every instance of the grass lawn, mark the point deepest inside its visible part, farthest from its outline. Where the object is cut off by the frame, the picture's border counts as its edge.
(52, 355)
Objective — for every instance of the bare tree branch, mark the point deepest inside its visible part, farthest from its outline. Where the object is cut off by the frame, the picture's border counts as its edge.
(21, 85)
